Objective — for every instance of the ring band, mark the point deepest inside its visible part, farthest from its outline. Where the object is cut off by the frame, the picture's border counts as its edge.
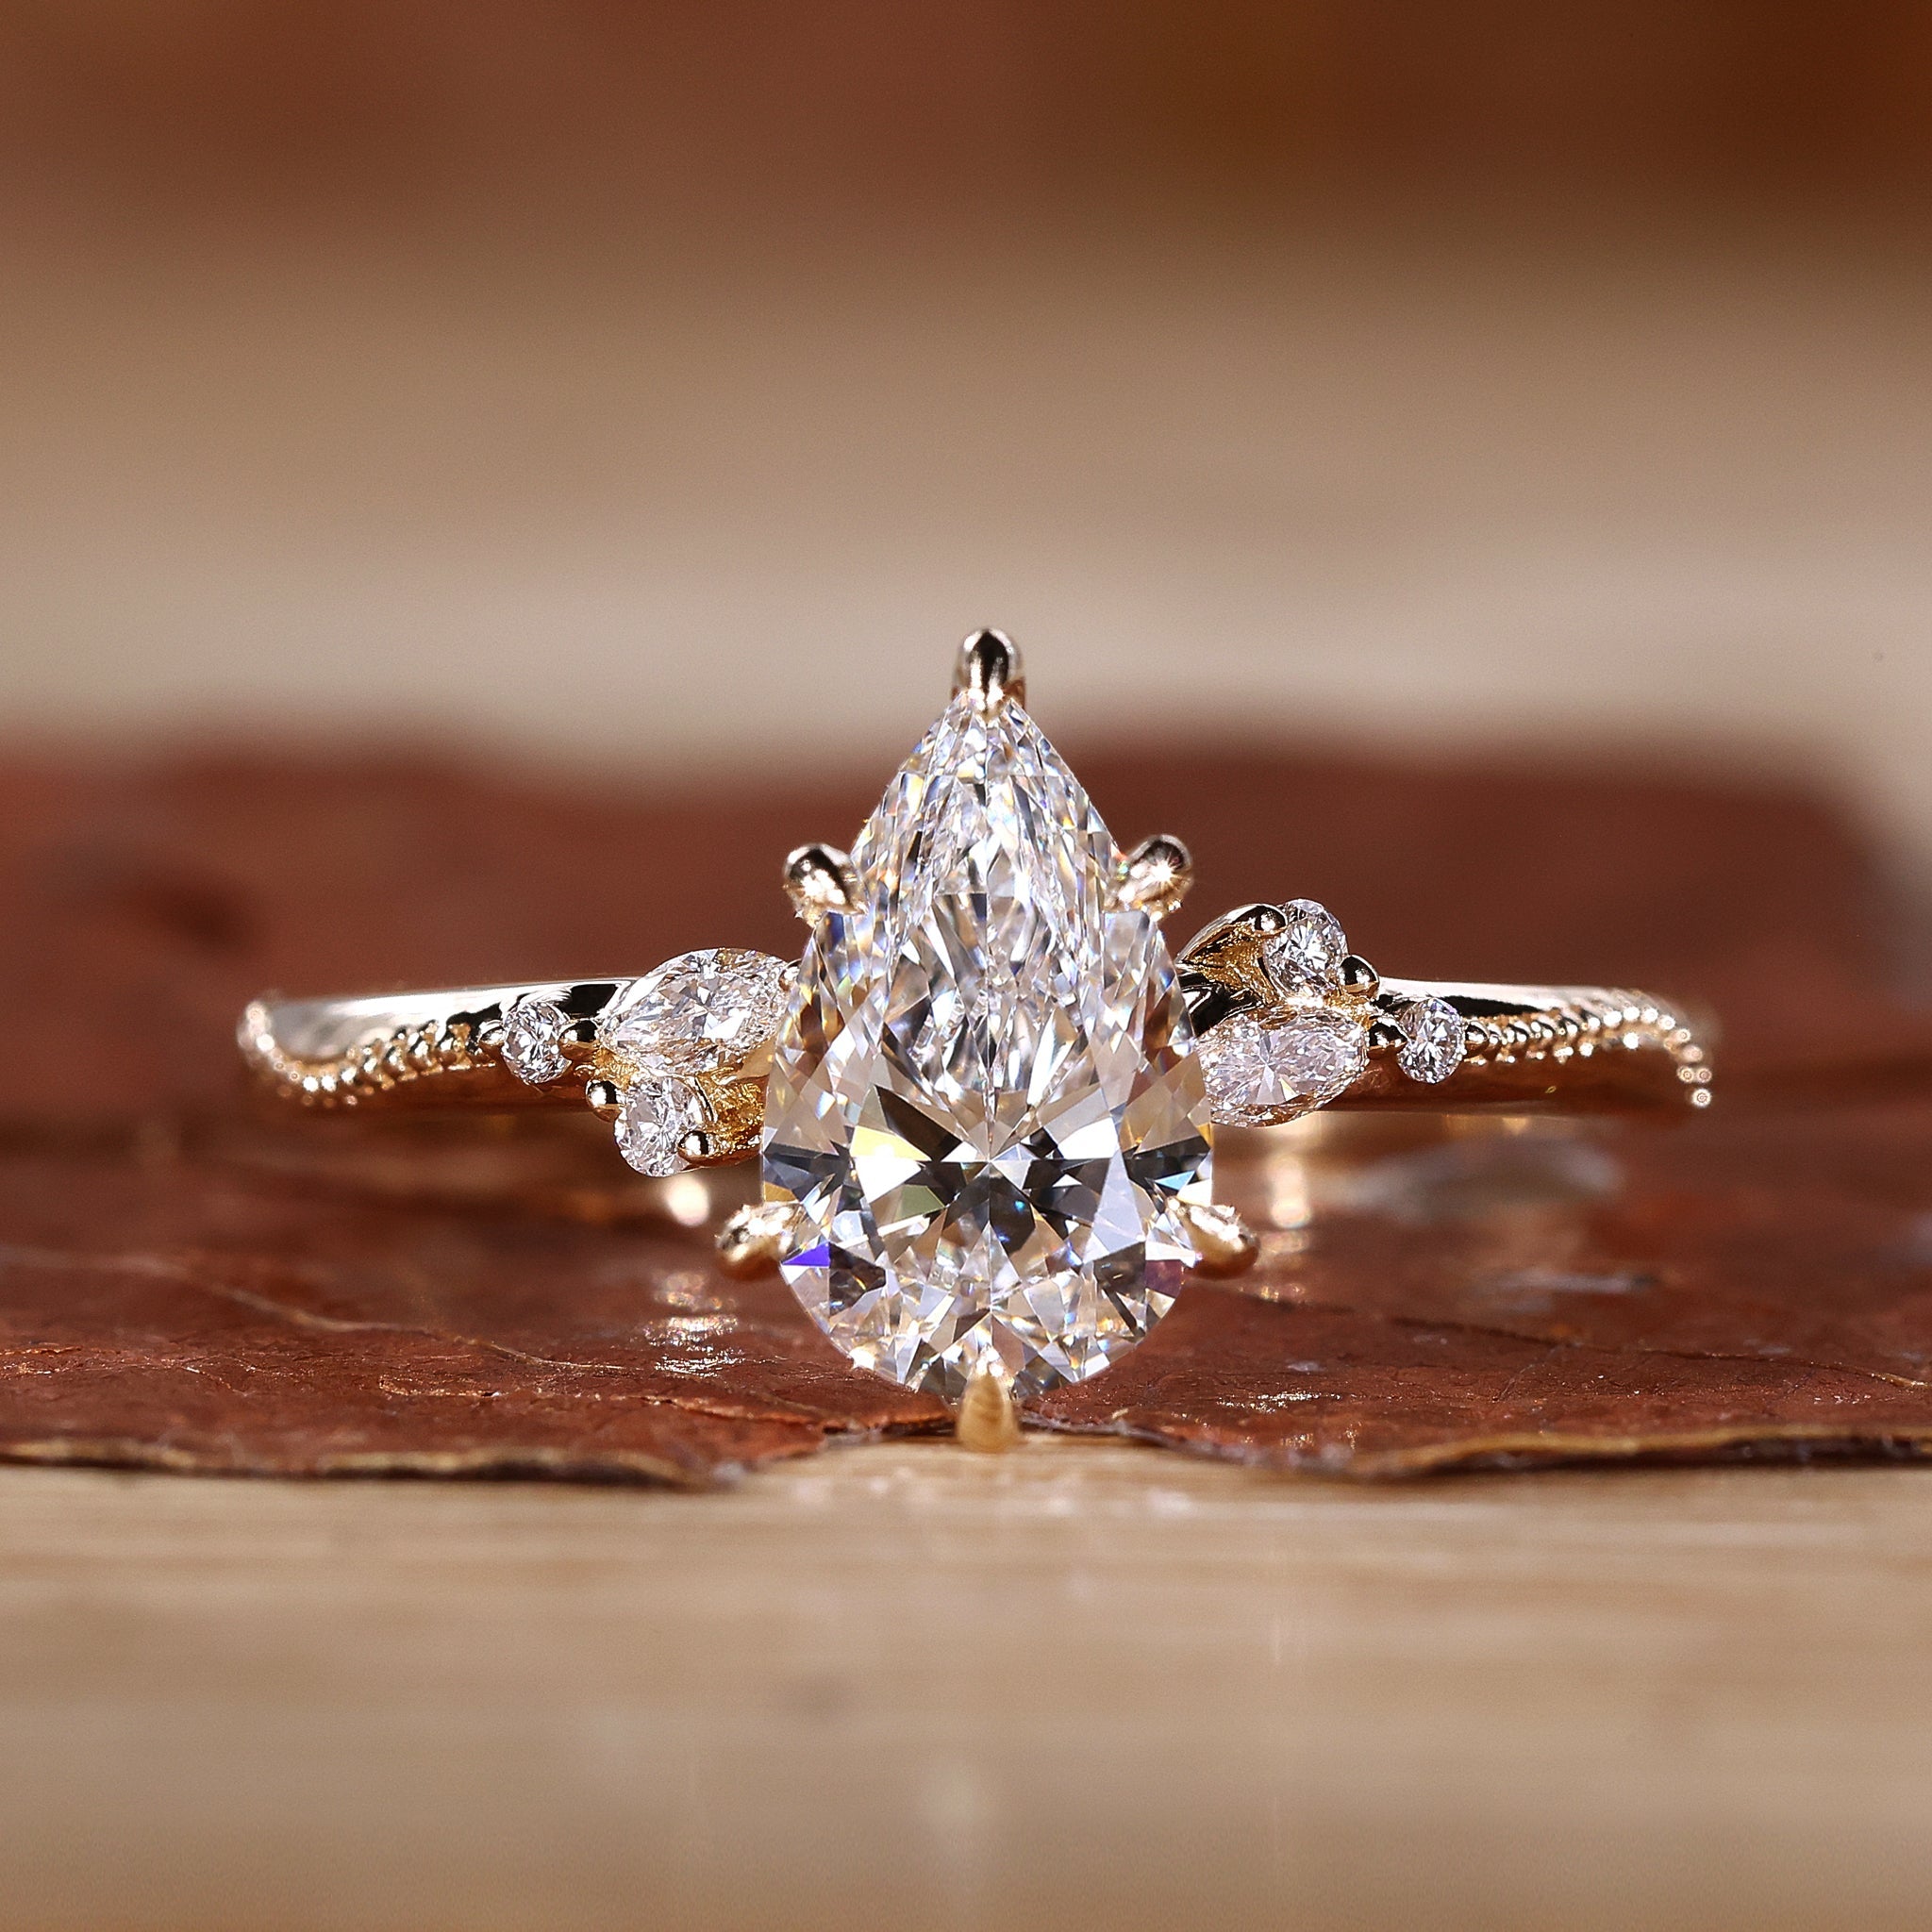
(1527, 1049)
(985, 1098)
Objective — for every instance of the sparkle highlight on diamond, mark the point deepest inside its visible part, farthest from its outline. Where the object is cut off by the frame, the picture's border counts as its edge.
(1308, 951)
(1433, 1040)
(654, 1116)
(985, 1100)
(699, 1011)
(1267, 1069)
(532, 1040)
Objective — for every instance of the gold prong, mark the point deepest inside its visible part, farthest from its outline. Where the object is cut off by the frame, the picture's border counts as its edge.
(1241, 931)
(578, 1043)
(1223, 966)
(752, 1241)
(604, 1098)
(1385, 1035)
(987, 1422)
(1223, 1243)
(697, 1149)
(1156, 875)
(1359, 977)
(990, 671)
(819, 880)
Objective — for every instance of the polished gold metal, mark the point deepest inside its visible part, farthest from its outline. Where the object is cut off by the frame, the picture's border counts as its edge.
(1223, 1243)
(1553, 1050)
(445, 1050)
(988, 1420)
(1527, 1049)
(754, 1238)
(1229, 951)
(990, 671)
(734, 1103)
(1156, 875)
(819, 880)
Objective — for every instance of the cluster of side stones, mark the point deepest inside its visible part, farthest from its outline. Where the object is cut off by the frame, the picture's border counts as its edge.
(1308, 1042)
(702, 1016)
(707, 1012)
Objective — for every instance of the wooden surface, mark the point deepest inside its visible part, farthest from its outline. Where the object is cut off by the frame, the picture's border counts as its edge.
(1085, 1684)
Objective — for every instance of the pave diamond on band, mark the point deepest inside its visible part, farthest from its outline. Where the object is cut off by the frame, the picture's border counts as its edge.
(986, 1097)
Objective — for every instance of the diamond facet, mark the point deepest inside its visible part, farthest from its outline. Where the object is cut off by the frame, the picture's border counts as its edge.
(1433, 1040)
(985, 1099)
(1310, 949)
(700, 1010)
(1261, 1071)
(655, 1115)
(532, 1033)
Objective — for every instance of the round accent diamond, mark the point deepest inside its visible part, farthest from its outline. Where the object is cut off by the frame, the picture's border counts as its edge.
(1259, 1072)
(532, 1037)
(1432, 1031)
(1310, 949)
(700, 1010)
(654, 1116)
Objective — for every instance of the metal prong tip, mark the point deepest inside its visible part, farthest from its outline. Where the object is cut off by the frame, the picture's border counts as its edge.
(603, 1098)
(1359, 977)
(1155, 875)
(578, 1043)
(988, 1420)
(752, 1241)
(1223, 1243)
(1240, 931)
(697, 1148)
(1385, 1035)
(819, 880)
(990, 671)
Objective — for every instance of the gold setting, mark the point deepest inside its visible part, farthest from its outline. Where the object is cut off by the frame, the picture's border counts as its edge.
(819, 880)
(1526, 1049)
(990, 671)
(1223, 1243)
(1529, 1049)
(988, 1419)
(751, 1241)
(1155, 875)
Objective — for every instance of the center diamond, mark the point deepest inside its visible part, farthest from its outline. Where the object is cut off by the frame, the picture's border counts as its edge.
(985, 1101)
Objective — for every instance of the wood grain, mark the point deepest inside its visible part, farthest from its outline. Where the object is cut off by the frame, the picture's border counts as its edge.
(1085, 1685)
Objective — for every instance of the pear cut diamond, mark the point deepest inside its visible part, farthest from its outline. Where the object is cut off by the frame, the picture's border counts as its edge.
(985, 1100)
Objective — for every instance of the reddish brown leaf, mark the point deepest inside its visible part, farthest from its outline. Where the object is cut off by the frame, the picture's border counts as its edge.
(184, 1286)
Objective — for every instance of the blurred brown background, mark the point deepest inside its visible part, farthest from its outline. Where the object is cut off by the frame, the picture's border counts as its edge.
(651, 384)
(380, 105)
(658, 395)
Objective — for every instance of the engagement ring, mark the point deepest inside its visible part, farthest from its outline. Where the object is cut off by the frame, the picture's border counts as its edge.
(985, 1098)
